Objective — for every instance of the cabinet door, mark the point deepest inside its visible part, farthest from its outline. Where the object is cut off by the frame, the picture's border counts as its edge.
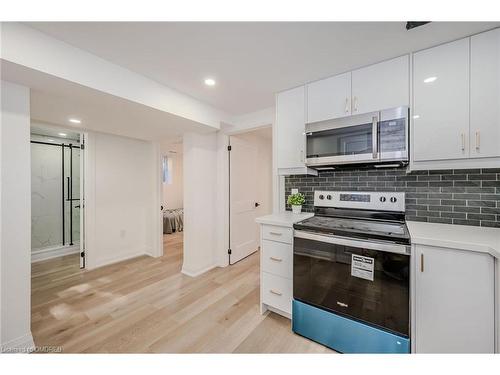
(441, 102)
(485, 94)
(290, 128)
(329, 98)
(381, 86)
(454, 301)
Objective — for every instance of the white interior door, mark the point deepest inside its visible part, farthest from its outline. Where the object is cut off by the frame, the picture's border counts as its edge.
(243, 231)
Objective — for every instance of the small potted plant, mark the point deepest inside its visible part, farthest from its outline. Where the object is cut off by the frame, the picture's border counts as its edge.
(296, 201)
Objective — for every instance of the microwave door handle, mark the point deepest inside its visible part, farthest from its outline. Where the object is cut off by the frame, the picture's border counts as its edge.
(375, 136)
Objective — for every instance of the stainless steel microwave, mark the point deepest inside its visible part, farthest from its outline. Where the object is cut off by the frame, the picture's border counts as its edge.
(375, 137)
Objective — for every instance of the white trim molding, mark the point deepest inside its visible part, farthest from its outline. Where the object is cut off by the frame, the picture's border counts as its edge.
(53, 252)
(197, 273)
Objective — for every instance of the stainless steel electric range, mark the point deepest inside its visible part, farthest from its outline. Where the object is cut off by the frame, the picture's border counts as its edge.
(351, 266)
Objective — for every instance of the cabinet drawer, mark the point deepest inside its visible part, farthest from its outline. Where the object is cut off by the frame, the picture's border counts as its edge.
(275, 233)
(277, 292)
(277, 258)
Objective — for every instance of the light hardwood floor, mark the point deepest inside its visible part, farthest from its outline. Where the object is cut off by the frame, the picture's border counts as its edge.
(146, 305)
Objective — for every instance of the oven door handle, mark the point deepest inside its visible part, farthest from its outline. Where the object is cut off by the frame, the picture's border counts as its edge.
(347, 241)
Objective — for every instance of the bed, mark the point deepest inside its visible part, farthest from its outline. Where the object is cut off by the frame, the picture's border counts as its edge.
(173, 220)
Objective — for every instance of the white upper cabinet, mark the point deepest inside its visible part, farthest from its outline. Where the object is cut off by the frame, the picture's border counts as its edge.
(381, 86)
(290, 127)
(329, 98)
(485, 95)
(441, 102)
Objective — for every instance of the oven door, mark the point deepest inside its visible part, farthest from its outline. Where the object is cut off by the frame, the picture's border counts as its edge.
(363, 280)
(341, 141)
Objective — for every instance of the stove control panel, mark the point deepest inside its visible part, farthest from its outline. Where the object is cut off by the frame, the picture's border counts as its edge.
(383, 201)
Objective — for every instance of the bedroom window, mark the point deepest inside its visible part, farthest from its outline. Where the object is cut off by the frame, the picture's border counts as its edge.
(167, 169)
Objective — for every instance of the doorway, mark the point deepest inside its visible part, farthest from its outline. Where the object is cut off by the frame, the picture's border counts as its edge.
(250, 189)
(172, 196)
(57, 224)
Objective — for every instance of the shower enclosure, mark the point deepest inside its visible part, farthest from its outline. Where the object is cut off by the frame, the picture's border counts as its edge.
(55, 196)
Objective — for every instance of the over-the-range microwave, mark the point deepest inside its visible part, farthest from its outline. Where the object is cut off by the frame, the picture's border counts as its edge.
(376, 137)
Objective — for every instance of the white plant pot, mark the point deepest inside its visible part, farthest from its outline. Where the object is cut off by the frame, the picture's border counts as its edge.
(296, 209)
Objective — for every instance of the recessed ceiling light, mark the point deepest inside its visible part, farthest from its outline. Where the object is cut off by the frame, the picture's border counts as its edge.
(62, 134)
(50, 140)
(416, 116)
(75, 121)
(210, 82)
(430, 79)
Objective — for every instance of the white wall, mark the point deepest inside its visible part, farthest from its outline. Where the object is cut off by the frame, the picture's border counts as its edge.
(200, 185)
(121, 189)
(15, 309)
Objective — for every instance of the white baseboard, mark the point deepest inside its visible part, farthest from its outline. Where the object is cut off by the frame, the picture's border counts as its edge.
(197, 273)
(49, 253)
(114, 259)
(23, 344)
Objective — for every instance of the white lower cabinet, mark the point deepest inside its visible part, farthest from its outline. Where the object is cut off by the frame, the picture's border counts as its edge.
(277, 292)
(454, 301)
(277, 258)
(276, 269)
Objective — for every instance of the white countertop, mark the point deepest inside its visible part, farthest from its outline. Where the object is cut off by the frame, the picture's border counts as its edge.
(284, 219)
(463, 237)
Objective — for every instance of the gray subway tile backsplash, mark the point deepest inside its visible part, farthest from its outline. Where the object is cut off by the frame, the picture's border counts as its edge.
(459, 196)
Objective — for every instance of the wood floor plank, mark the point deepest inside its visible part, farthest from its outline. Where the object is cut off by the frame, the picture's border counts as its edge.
(146, 305)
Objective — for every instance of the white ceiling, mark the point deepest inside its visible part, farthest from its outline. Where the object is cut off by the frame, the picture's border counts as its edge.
(250, 61)
(54, 100)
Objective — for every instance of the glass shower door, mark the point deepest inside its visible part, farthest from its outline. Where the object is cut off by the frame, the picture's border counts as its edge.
(72, 195)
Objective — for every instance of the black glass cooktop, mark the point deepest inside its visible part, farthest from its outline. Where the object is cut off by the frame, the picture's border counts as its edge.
(353, 227)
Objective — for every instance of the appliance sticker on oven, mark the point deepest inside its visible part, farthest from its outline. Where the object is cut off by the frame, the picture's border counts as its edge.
(362, 267)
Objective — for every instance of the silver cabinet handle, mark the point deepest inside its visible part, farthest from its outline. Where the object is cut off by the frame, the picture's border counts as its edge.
(276, 233)
(302, 156)
(478, 140)
(355, 102)
(275, 292)
(463, 141)
(375, 136)
(346, 105)
(276, 259)
(421, 262)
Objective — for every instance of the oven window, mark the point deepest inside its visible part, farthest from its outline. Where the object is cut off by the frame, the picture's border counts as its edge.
(351, 140)
(322, 276)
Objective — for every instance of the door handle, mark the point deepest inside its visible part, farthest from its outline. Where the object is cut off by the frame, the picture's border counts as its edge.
(375, 136)
(355, 103)
(275, 292)
(257, 204)
(346, 105)
(421, 262)
(276, 233)
(276, 259)
(478, 140)
(463, 141)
